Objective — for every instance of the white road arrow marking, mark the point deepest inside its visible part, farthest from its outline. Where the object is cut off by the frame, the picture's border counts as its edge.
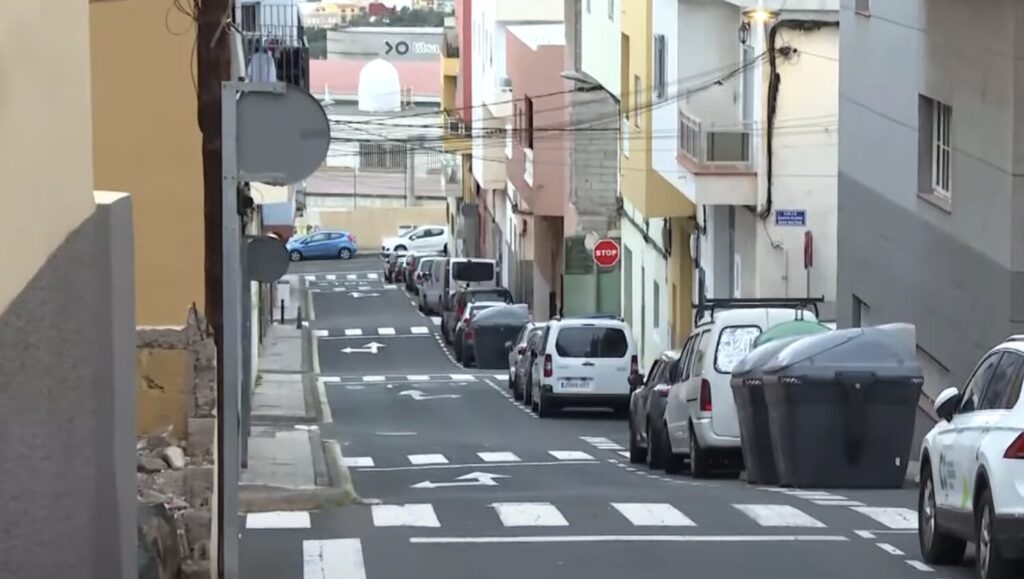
(362, 295)
(420, 395)
(473, 479)
(371, 348)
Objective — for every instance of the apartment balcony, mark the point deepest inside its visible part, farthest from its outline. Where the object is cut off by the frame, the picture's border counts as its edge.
(718, 162)
(450, 53)
(458, 136)
(274, 44)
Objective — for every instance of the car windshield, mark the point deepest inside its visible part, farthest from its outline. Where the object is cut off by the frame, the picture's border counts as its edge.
(472, 271)
(591, 342)
(733, 344)
(498, 295)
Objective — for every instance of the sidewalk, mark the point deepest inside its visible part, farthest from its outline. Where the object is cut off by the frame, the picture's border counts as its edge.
(289, 466)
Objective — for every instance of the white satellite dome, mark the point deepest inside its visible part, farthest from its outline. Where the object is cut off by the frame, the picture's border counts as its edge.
(379, 87)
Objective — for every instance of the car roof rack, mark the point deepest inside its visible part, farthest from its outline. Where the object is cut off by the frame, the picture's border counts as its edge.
(709, 306)
(595, 317)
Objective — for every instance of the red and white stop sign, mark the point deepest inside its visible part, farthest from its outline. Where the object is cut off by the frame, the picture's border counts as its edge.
(606, 253)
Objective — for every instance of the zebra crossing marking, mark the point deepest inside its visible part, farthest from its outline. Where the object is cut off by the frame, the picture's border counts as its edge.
(779, 516)
(570, 455)
(418, 378)
(410, 515)
(353, 332)
(419, 330)
(278, 520)
(602, 443)
(653, 515)
(421, 459)
(892, 517)
(386, 331)
(529, 515)
(358, 461)
(333, 558)
(498, 457)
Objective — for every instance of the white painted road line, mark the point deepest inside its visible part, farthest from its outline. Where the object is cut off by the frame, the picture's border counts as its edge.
(890, 549)
(530, 515)
(330, 379)
(415, 515)
(278, 520)
(427, 459)
(624, 453)
(602, 442)
(358, 461)
(331, 276)
(351, 276)
(920, 566)
(838, 503)
(498, 457)
(386, 331)
(333, 558)
(374, 378)
(320, 333)
(418, 378)
(653, 515)
(570, 455)
(310, 278)
(779, 516)
(372, 276)
(353, 332)
(865, 534)
(894, 518)
(463, 377)
(436, 320)
(472, 465)
(420, 330)
(815, 495)
(636, 539)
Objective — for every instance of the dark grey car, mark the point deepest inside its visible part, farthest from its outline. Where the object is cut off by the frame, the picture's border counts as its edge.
(647, 410)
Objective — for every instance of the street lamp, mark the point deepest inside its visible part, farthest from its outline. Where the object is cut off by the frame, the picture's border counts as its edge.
(759, 15)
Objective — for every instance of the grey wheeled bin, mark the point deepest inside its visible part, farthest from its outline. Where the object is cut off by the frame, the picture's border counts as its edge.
(841, 407)
(494, 327)
(755, 435)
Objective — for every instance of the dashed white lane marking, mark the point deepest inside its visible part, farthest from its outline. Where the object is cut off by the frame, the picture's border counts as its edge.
(463, 377)
(634, 539)
(386, 331)
(865, 534)
(413, 515)
(330, 379)
(351, 276)
(331, 276)
(353, 332)
(529, 515)
(602, 443)
(320, 333)
(815, 495)
(779, 516)
(278, 520)
(427, 459)
(420, 330)
(890, 549)
(838, 503)
(894, 518)
(920, 566)
(358, 461)
(374, 378)
(653, 515)
(570, 455)
(418, 378)
(310, 278)
(498, 457)
(372, 276)
(333, 558)
(436, 320)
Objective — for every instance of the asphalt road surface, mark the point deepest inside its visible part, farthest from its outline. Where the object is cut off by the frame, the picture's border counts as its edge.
(473, 486)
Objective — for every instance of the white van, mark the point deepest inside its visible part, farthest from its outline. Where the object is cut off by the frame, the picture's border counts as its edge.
(468, 272)
(700, 413)
(432, 290)
(584, 361)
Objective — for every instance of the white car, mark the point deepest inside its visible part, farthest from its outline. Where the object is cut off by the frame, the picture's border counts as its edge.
(972, 469)
(700, 412)
(585, 361)
(423, 239)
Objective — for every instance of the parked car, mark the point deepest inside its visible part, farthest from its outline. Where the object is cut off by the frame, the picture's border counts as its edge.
(517, 352)
(647, 409)
(455, 307)
(412, 263)
(584, 362)
(432, 290)
(398, 275)
(432, 238)
(463, 342)
(972, 469)
(700, 415)
(391, 265)
(321, 245)
(424, 265)
(524, 367)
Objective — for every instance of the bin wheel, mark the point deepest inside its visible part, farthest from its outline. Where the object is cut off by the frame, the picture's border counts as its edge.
(700, 459)
(637, 454)
(672, 462)
(937, 547)
(655, 450)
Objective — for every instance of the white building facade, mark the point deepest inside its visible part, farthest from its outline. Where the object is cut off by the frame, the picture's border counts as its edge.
(758, 158)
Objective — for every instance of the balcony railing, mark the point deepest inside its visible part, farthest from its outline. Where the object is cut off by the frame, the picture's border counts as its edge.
(711, 146)
(274, 44)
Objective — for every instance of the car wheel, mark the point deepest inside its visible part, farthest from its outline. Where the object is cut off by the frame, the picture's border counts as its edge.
(699, 459)
(655, 450)
(672, 462)
(528, 392)
(544, 406)
(637, 454)
(517, 391)
(534, 403)
(991, 563)
(345, 253)
(937, 547)
(399, 248)
(295, 255)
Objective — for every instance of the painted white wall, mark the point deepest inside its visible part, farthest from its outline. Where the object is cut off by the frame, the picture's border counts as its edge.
(648, 268)
(665, 116)
(601, 42)
(709, 49)
(789, 5)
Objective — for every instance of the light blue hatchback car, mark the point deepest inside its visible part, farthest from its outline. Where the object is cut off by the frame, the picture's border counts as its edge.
(322, 245)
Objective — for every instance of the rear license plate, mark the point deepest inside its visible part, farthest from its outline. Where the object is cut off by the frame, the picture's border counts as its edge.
(575, 384)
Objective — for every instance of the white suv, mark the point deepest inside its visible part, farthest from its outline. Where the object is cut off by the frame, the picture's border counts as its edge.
(972, 469)
(584, 361)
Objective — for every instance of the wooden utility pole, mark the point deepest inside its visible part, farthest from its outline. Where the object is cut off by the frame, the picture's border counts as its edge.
(213, 59)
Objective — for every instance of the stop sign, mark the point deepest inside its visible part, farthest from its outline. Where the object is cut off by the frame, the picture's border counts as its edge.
(606, 253)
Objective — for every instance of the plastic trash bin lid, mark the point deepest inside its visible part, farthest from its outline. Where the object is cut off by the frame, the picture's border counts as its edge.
(789, 329)
(761, 354)
(512, 315)
(886, 349)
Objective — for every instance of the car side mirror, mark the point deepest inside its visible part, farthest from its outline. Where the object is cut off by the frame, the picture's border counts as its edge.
(635, 381)
(946, 403)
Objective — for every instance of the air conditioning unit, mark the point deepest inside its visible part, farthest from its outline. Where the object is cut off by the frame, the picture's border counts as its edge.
(454, 126)
(505, 84)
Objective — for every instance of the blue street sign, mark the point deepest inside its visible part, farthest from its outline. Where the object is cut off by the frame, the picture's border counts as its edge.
(791, 217)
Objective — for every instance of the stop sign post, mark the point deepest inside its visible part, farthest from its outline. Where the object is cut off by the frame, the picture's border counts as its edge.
(606, 253)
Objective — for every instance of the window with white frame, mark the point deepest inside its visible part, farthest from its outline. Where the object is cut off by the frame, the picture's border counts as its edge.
(942, 149)
(660, 65)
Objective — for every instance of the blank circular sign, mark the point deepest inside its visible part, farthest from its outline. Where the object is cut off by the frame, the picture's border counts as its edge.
(267, 259)
(282, 137)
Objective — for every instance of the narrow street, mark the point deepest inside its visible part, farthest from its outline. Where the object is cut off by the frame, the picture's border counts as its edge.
(472, 485)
